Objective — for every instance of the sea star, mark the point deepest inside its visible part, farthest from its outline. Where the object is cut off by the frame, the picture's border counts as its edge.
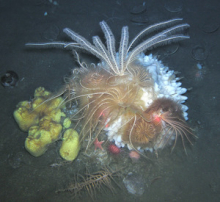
(98, 144)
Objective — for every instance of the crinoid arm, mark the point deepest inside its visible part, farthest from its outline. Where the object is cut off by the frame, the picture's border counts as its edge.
(55, 44)
(118, 65)
(152, 28)
(162, 38)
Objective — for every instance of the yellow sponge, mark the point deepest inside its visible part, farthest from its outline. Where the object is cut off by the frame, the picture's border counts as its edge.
(39, 137)
(70, 145)
(40, 117)
(28, 113)
(25, 116)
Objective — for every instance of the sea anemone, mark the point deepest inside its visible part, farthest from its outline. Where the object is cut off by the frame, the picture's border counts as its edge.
(133, 97)
(113, 149)
(135, 156)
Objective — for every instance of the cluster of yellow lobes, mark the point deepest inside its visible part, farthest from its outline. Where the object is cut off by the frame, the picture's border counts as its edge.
(44, 120)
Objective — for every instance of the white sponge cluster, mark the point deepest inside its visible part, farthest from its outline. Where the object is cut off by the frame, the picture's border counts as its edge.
(166, 84)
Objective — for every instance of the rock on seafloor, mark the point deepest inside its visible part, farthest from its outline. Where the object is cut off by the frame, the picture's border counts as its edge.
(134, 183)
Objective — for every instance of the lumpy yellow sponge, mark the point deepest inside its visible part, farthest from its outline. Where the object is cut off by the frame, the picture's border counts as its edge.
(39, 137)
(25, 116)
(28, 114)
(70, 145)
(41, 118)
(66, 123)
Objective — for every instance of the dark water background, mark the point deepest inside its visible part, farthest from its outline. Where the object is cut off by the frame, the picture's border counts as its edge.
(180, 177)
